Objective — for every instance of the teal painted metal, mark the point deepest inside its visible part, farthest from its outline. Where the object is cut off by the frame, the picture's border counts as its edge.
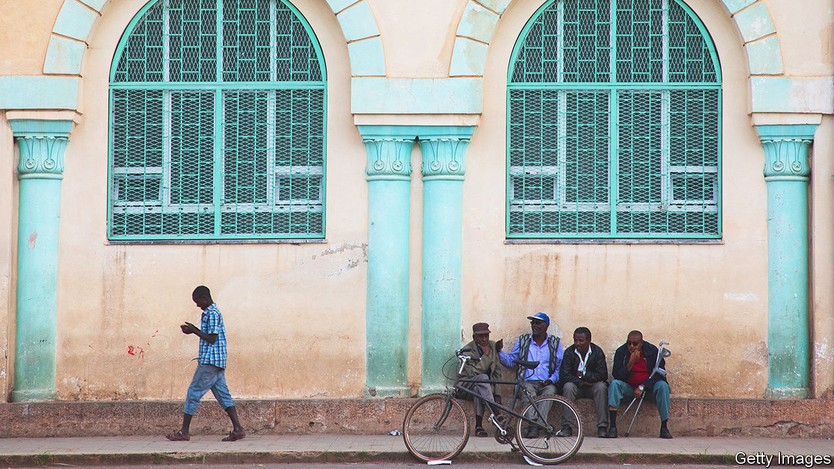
(444, 151)
(218, 124)
(787, 173)
(386, 319)
(40, 169)
(614, 123)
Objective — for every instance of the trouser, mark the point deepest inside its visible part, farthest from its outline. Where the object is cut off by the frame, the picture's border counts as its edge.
(597, 391)
(537, 388)
(659, 392)
(482, 389)
(207, 377)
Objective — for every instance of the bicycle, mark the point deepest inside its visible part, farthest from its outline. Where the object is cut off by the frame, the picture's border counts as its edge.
(436, 427)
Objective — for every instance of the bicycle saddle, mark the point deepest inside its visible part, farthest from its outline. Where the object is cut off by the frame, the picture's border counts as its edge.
(526, 364)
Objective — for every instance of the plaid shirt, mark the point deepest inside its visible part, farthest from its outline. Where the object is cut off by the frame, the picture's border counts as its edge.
(212, 323)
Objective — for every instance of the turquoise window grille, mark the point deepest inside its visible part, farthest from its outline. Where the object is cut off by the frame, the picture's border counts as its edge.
(614, 123)
(217, 123)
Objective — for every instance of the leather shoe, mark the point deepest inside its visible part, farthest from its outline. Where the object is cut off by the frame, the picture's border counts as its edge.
(612, 433)
(665, 433)
(602, 432)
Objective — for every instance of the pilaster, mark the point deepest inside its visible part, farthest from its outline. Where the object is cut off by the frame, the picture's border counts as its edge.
(443, 150)
(41, 145)
(388, 173)
(787, 172)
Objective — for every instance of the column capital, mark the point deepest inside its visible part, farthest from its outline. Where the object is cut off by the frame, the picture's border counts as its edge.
(389, 151)
(786, 150)
(444, 151)
(42, 143)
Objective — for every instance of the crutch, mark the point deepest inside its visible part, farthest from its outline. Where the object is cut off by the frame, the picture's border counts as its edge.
(663, 352)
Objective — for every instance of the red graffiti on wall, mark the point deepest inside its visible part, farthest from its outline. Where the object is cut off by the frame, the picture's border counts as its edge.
(136, 351)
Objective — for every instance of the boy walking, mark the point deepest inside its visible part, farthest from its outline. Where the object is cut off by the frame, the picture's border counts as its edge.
(211, 367)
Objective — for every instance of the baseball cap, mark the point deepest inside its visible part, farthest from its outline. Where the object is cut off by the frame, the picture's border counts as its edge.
(541, 317)
(480, 328)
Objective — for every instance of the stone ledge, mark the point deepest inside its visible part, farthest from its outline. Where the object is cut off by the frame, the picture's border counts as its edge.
(793, 418)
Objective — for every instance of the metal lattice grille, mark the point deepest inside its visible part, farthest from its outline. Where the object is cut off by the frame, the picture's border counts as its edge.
(614, 123)
(217, 123)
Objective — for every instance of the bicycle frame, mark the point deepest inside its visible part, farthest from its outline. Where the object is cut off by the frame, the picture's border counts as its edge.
(491, 402)
(437, 426)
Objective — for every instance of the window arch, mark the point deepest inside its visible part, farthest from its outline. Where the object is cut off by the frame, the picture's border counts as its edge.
(614, 123)
(217, 123)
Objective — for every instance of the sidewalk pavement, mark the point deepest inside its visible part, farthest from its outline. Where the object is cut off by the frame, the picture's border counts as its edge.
(322, 448)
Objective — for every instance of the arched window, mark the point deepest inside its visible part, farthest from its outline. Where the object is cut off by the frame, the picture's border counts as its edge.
(614, 123)
(217, 123)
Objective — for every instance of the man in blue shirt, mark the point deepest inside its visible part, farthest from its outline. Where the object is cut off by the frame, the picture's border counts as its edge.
(211, 367)
(544, 348)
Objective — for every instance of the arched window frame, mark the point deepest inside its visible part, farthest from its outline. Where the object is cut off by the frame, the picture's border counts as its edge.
(260, 156)
(546, 200)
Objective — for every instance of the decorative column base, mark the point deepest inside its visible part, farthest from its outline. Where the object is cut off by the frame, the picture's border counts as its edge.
(787, 393)
(383, 392)
(34, 395)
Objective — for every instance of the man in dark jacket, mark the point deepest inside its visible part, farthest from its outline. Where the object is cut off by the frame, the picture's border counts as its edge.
(633, 370)
(584, 373)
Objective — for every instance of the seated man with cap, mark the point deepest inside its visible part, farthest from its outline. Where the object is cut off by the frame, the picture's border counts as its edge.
(537, 346)
(481, 371)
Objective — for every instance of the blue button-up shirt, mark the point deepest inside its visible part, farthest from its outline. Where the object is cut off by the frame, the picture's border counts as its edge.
(211, 322)
(537, 353)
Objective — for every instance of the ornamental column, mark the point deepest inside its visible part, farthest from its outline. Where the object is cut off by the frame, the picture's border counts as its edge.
(386, 317)
(443, 150)
(41, 145)
(787, 174)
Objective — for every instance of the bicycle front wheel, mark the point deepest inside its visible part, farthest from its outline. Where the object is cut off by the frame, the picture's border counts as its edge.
(555, 439)
(435, 427)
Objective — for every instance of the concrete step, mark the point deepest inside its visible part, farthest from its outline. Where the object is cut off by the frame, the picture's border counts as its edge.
(799, 418)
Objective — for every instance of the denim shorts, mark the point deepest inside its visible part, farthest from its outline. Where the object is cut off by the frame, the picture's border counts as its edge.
(207, 377)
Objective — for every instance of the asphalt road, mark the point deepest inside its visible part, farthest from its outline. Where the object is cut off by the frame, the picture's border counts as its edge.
(469, 464)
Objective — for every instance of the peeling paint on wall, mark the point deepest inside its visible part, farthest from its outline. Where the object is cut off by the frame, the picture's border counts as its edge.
(739, 296)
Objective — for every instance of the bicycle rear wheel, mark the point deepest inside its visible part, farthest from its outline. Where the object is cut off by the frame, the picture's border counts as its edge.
(435, 427)
(555, 440)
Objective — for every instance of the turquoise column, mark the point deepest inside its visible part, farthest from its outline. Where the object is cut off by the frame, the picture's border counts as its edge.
(787, 172)
(386, 317)
(41, 144)
(443, 150)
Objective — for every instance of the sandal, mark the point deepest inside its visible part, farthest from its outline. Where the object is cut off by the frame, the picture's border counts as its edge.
(178, 436)
(479, 431)
(234, 436)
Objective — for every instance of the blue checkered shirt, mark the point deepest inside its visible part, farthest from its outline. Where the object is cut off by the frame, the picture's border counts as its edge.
(212, 323)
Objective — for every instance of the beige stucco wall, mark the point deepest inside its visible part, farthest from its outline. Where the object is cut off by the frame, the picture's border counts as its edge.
(8, 219)
(697, 297)
(295, 313)
(24, 35)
